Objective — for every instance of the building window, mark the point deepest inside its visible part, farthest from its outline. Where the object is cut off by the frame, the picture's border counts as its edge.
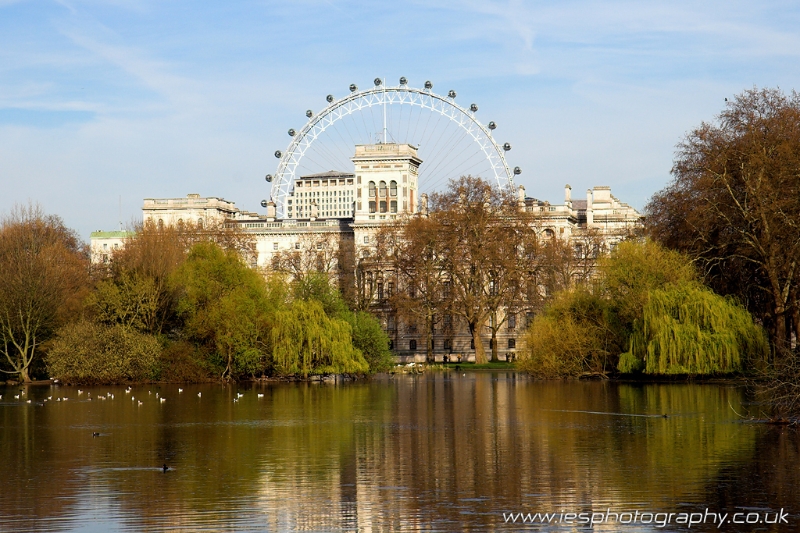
(512, 321)
(371, 189)
(512, 343)
(448, 344)
(412, 344)
(380, 290)
(382, 190)
(297, 246)
(372, 206)
(393, 189)
(274, 245)
(390, 289)
(393, 205)
(383, 206)
(366, 239)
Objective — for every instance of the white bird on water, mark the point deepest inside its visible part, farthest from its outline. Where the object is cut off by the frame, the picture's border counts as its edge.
(199, 394)
(180, 390)
(162, 400)
(140, 403)
(260, 395)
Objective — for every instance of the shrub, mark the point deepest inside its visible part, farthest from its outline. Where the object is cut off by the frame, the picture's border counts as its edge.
(87, 352)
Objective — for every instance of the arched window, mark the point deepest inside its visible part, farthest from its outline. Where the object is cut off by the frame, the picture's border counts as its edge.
(382, 191)
(371, 189)
(393, 189)
(549, 234)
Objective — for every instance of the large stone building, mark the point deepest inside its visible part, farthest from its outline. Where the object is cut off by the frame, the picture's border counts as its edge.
(329, 210)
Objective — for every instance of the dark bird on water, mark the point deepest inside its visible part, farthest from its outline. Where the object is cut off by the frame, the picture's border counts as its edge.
(165, 467)
(95, 434)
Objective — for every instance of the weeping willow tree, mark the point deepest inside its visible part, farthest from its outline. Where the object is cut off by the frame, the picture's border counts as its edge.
(688, 329)
(306, 341)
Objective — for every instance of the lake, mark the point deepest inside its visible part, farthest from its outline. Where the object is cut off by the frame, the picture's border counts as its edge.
(447, 451)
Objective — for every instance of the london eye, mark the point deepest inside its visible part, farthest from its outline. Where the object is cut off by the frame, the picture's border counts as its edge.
(450, 138)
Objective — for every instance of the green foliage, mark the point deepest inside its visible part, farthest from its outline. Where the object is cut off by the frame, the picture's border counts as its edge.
(223, 305)
(633, 269)
(645, 312)
(87, 352)
(371, 340)
(573, 336)
(687, 329)
(306, 341)
(367, 334)
(316, 286)
(131, 299)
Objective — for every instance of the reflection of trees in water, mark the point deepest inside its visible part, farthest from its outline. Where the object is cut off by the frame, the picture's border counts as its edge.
(437, 450)
(768, 480)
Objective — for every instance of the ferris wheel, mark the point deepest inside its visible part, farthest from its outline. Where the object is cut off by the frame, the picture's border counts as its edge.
(450, 139)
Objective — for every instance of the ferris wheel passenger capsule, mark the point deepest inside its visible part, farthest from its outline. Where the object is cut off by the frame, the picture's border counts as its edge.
(309, 113)
(451, 93)
(492, 125)
(403, 80)
(507, 147)
(473, 107)
(329, 98)
(428, 85)
(291, 132)
(278, 154)
(353, 87)
(268, 178)
(377, 82)
(263, 203)
(517, 171)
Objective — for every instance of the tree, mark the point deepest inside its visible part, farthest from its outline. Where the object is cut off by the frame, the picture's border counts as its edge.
(44, 276)
(223, 304)
(306, 341)
(481, 247)
(141, 270)
(687, 329)
(367, 336)
(413, 251)
(734, 206)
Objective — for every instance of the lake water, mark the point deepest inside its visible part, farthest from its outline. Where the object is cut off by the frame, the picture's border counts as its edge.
(448, 451)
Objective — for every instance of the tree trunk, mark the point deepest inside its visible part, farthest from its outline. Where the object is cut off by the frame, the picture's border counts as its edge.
(495, 359)
(429, 339)
(480, 353)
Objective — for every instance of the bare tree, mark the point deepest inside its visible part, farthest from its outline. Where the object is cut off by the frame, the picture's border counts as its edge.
(44, 277)
(420, 298)
(734, 205)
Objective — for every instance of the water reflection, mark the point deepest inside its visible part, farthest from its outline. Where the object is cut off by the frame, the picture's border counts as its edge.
(446, 452)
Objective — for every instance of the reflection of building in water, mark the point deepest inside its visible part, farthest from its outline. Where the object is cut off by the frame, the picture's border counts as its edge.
(335, 215)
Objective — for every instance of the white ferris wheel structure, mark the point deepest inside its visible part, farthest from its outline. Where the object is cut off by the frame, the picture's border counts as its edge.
(457, 143)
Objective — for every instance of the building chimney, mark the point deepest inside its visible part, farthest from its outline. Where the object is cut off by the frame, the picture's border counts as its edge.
(589, 212)
(271, 211)
(521, 197)
(568, 195)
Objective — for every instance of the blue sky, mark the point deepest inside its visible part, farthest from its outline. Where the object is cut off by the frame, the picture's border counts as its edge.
(133, 99)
